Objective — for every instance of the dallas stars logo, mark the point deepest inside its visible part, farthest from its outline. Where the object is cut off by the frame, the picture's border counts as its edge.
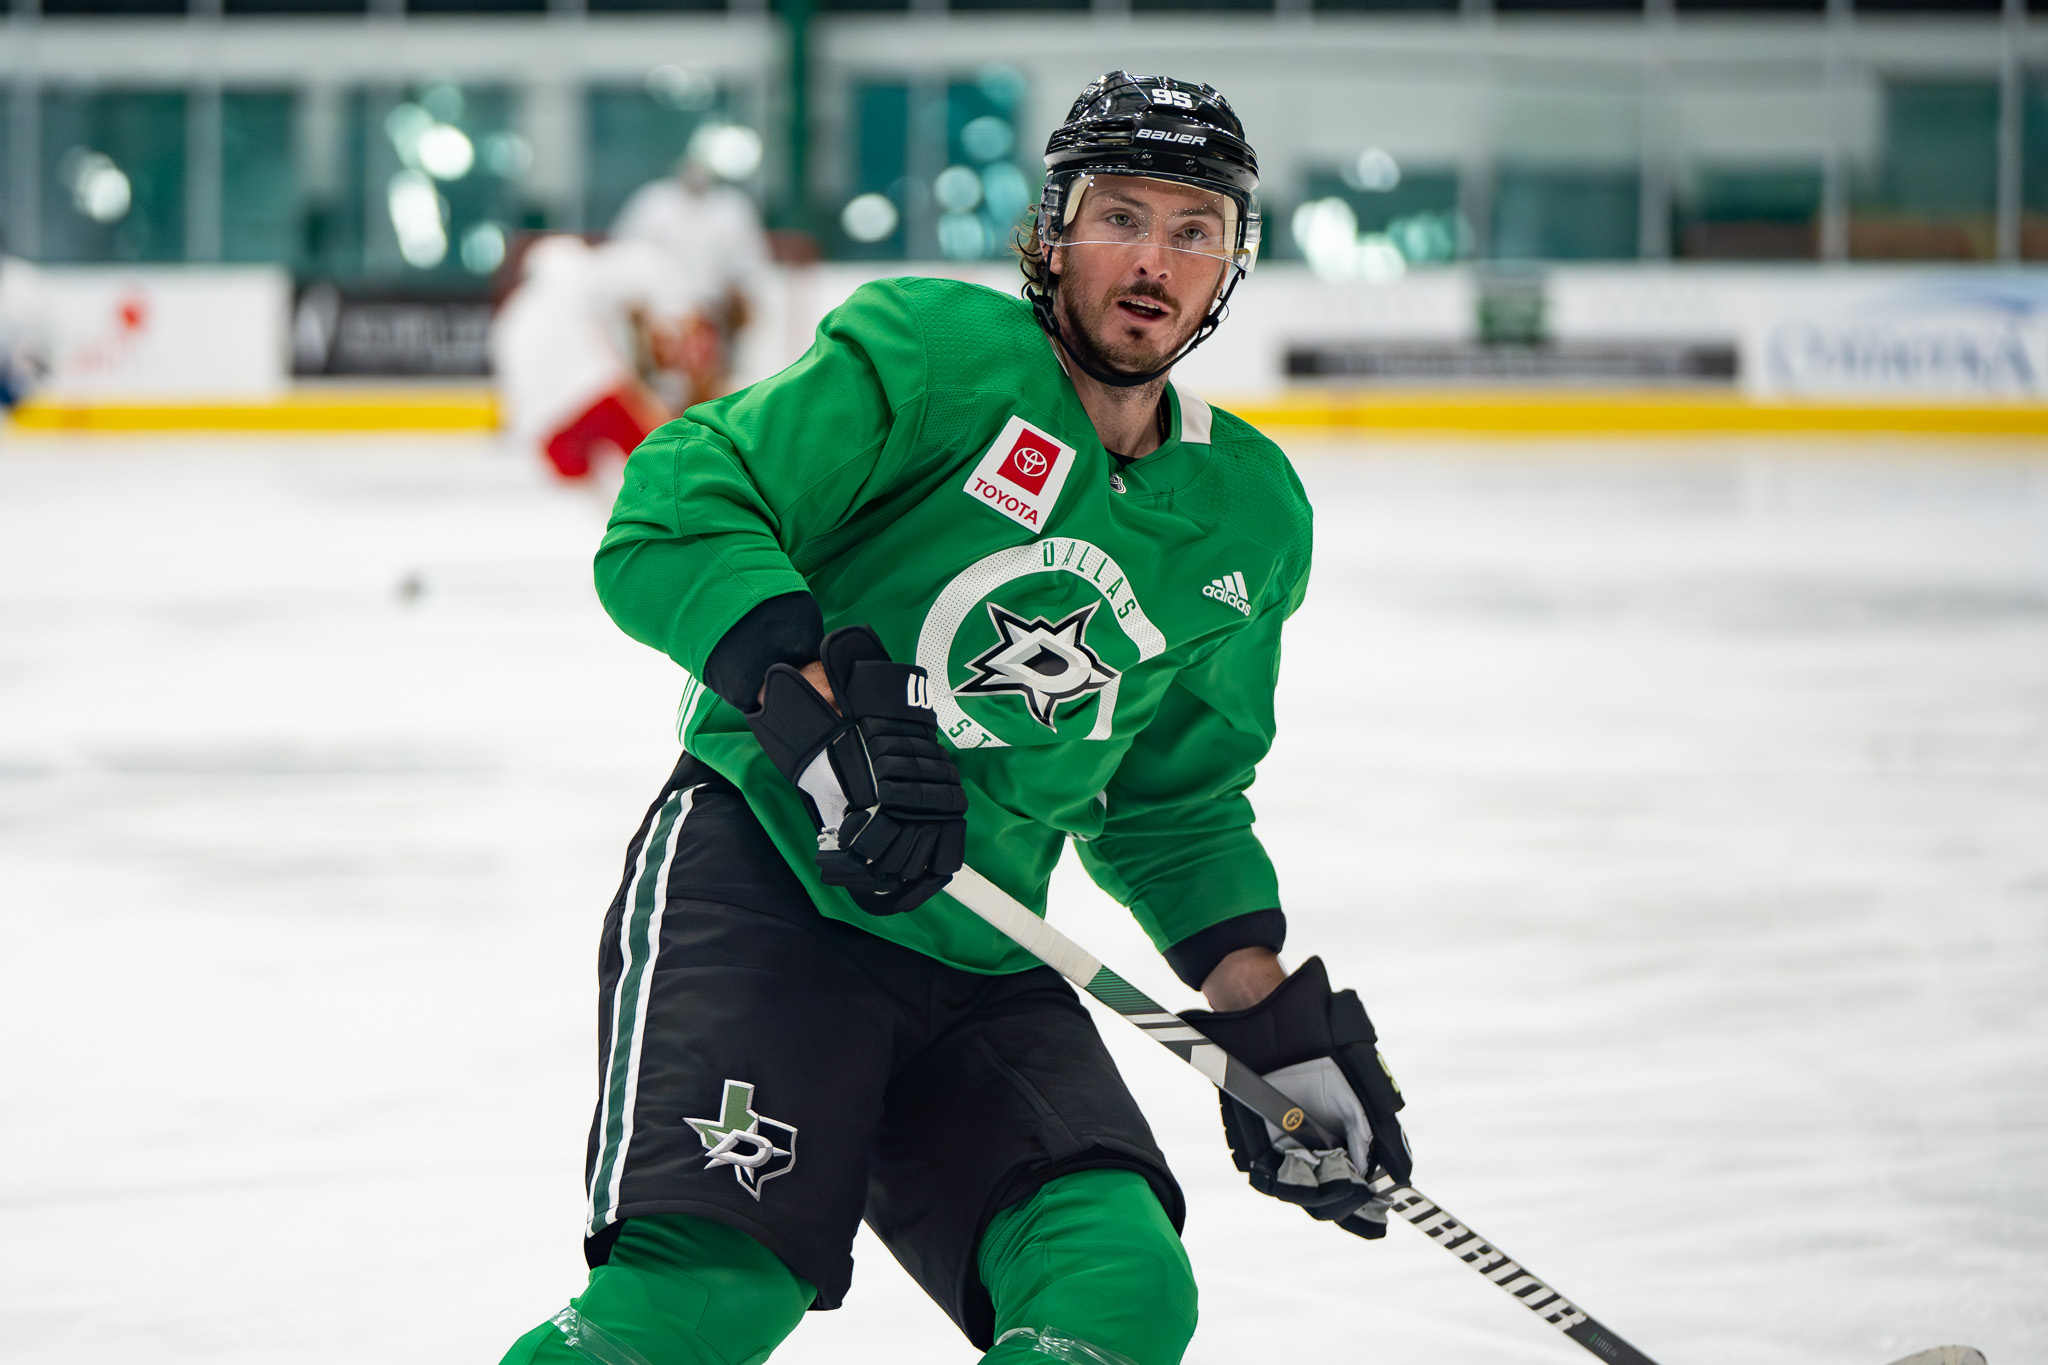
(735, 1138)
(1045, 662)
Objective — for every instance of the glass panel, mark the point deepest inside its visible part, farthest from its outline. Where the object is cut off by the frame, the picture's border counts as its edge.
(964, 193)
(113, 6)
(1567, 138)
(261, 209)
(1565, 214)
(294, 6)
(1934, 191)
(1928, 6)
(983, 192)
(1383, 191)
(1749, 213)
(1524, 6)
(1202, 4)
(637, 133)
(429, 186)
(475, 6)
(1778, 6)
(871, 223)
(1072, 5)
(113, 175)
(1440, 6)
(8, 227)
(618, 6)
(2034, 167)
(1351, 217)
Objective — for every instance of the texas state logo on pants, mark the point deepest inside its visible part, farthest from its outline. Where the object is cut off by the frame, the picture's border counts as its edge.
(756, 1147)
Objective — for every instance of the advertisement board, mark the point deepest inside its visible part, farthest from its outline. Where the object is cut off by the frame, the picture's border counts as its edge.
(1859, 334)
(181, 332)
(1862, 334)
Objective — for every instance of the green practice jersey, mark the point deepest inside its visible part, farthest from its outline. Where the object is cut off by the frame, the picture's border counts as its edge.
(1102, 643)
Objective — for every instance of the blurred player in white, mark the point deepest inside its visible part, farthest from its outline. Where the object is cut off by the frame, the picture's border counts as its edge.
(580, 344)
(24, 331)
(712, 232)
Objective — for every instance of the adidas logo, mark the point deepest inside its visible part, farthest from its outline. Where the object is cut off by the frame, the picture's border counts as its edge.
(1231, 591)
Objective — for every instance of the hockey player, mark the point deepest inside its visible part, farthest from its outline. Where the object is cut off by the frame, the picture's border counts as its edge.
(579, 348)
(969, 580)
(24, 332)
(712, 232)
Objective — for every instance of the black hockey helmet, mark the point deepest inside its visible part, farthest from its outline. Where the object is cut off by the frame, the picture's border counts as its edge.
(1160, 128)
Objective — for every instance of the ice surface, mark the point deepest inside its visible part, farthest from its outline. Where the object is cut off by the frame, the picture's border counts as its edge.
(1680, 811)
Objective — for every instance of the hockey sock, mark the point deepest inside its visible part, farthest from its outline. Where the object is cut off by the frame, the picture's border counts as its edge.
(680, 1290)
(1093, 1258)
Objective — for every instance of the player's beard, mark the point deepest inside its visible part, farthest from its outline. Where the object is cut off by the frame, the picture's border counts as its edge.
(1090, 328)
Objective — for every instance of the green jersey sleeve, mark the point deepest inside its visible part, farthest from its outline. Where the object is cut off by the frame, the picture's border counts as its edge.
(721, 507)
(1176, 845)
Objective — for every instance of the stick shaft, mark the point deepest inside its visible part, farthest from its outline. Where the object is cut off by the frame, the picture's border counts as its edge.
(1030, 932)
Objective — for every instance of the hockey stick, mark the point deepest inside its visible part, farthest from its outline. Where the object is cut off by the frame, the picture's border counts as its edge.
(1240, 1082)
(1030, 932)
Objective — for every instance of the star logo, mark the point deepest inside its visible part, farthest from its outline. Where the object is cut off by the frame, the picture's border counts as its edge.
(1045, 662)
(736, 1138)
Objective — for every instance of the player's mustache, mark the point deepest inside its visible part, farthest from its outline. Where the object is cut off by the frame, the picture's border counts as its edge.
(1146, 289)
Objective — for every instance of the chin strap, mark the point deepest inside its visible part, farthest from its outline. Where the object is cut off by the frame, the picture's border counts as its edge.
(1042, 308)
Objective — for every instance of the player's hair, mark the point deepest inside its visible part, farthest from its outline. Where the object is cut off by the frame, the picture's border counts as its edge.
(1030, 249)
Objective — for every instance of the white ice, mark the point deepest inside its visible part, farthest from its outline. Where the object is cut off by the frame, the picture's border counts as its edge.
(1681, 812)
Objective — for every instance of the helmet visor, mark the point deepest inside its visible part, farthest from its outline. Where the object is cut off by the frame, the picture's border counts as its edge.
(1169, 215)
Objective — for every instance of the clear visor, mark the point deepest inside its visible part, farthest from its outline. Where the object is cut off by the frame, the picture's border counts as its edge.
(1138, 211)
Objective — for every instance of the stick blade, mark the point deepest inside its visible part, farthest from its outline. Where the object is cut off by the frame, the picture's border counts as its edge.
(1944, 1355)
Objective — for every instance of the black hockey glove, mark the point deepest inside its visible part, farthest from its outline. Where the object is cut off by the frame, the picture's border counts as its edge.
(888, 805)
(1317, 1048)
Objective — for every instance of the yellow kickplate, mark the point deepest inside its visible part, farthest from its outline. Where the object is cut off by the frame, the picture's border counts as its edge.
(1452, 413)
(435, 410)
(1626, 414)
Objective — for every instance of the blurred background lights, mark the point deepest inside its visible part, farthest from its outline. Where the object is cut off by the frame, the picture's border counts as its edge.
(425, 143)
(483, 248)
(1430, 238)
(1003, 84)
(730, 151)
(679, 87)
(868, 217)
(988, 138)
(507, 155)
(1374, 170)
(962, 236)
(403, 125)
(418, 219)
(1326, 230)
(443, 101)
(1004, 192)
(99, 189)
(444, 152)
(957, 189)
